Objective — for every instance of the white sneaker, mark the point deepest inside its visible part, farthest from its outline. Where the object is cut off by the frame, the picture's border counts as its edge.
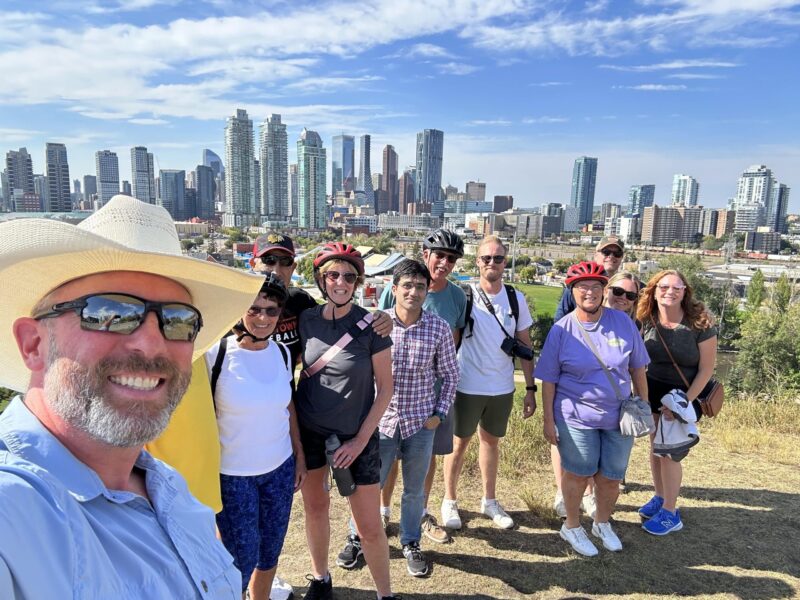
(607, 536)
(450, 516)
(559, 506)
(578, 539)
(589, 505)
(281, 590)
(493, 510)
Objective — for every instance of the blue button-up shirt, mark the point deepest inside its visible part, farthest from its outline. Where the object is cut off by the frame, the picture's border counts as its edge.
(64, 534)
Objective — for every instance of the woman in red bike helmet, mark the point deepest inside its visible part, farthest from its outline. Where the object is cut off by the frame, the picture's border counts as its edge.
(345, 397)
(582, 405)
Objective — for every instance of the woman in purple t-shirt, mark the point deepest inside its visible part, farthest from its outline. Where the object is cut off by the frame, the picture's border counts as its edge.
(582, 406)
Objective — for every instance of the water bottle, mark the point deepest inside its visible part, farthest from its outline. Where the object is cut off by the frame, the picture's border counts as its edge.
(342, 476)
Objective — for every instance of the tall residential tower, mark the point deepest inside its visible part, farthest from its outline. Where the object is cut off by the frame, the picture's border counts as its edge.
(584, 175)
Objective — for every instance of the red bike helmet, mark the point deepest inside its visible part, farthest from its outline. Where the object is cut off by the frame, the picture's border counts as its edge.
(339, 251)
(586, 271)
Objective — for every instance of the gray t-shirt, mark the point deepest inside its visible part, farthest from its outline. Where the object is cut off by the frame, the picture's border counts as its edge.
(683, 344)
(338, 398)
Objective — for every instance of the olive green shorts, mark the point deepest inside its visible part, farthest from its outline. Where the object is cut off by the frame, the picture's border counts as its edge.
(491, 412)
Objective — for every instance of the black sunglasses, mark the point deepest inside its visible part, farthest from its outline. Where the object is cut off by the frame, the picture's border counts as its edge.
(332, 276)
(124, 314)
(614, 253)
(270, 311)
(618, 291)
(497, 259)
(451, 258)
(271, 260)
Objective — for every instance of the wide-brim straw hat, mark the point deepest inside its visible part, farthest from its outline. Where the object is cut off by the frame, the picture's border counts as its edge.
(39, 255)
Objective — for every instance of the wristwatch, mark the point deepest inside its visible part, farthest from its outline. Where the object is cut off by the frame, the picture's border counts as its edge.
(436, 413)
(532, 388)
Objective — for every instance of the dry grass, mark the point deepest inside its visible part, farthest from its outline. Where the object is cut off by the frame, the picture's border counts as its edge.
(740, 508)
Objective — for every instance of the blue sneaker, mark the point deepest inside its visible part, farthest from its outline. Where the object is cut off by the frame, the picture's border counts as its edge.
(649, 510)
(664, 522)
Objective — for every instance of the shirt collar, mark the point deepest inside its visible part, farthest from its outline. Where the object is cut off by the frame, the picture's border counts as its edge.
(421, 321)
(25, 436)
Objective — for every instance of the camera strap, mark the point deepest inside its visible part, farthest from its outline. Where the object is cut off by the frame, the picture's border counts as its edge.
(490, 308)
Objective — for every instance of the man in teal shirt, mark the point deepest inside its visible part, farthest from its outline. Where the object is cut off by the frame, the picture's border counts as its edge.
(107, 318)
(441, 250)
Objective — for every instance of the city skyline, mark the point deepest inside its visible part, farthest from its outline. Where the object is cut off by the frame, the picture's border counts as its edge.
(652, 89)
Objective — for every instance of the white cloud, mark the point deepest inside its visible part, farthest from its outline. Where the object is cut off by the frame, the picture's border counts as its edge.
(652, 87)
(143, 121)
(427, 51)
(489, 123)
(13, 136)
(595, 6)
(551, 83)
(544, 120)
(317, 85)
(690, 76)
(675, 64)
(456, 68)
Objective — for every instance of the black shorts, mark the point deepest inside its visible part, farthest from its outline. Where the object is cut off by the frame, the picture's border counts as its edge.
(658, 389)
(366, 468)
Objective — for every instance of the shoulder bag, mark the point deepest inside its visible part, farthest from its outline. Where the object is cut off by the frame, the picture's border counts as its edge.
(635, 416)
(711, 398)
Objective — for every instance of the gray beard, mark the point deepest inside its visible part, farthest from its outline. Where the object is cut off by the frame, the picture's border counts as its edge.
(75, 395)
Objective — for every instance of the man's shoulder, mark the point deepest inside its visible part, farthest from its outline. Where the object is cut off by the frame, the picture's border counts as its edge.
(300, 297)
(26, 489)
(435, 322)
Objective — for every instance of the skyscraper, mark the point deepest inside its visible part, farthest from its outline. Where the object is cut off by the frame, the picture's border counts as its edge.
(311, 181)
(476, 191)
(19, 170)
(777, 208)
(754, 187)
(204, 184)
(343, 164)
(125, 188)
(684, 190)
(365, 170)
(640, 197)
(390, 183)
(89, 187)
(430, 153)
(57, 173)
(502, 203)
(173, 192)
(274, 168)
(107, 169)
(407, 194)
(293, 190)
(210, 159)
(584, 174)
(241, 204)
(143, 175)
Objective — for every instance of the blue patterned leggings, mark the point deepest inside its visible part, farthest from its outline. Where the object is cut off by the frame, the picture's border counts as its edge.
(255, 516)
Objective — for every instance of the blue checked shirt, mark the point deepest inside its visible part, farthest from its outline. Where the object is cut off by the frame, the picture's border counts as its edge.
(421, 353)
(63, 534)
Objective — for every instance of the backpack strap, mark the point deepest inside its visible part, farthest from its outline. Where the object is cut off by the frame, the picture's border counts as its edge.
(513, 302)
(468, 320)
(217, 368)
(284, 353)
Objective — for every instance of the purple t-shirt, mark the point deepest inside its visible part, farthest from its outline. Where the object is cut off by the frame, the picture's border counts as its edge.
(584, 397)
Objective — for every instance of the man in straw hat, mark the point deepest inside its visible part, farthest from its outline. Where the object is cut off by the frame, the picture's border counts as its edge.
(107, 318)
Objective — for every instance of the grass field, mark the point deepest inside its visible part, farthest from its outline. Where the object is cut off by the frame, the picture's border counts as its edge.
(739, 503)
(545, 298)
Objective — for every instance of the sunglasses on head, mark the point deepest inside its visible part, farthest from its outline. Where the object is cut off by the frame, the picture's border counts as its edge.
(618, 291)
(451, 258)
(124, 314)
(270, 311)
(496, 259)
(332, 276)
(271, 260)
(614, 253)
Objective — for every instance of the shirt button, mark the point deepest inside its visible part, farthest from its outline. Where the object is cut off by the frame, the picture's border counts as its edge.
(205, 585)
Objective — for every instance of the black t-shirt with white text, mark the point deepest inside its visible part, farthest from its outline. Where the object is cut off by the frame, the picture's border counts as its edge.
(287, 331)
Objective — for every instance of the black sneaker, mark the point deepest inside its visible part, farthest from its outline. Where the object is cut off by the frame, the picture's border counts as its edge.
(319, 590)
(348, 557)
(415, 560)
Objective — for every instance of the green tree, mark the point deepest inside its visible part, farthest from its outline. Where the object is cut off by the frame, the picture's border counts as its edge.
(712, 243)
(723, 302)
(527, 274)
(562, 264)
(781, 294)
(187, 245)
(756, 291)
(212, 246)
(198, 241)
(305, 268)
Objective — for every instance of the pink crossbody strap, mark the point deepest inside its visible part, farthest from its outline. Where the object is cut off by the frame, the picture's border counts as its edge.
(340, 344)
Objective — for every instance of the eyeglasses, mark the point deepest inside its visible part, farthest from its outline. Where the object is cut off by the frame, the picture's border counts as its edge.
(614, 253)
(675, 288)
(619, 292)
(270, 311)
(124, 314)
(333, 276)
(586, 289)
(271, 260)
(496, 259)
(451, 258)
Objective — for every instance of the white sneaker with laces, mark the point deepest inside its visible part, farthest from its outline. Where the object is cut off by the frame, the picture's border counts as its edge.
(493, 510)
(281, 590)
(450, 516)
(589, 505)
(559, 506)
(578, 539)
(607, 536)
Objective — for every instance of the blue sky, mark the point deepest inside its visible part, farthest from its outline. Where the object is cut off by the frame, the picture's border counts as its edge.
(520, 87)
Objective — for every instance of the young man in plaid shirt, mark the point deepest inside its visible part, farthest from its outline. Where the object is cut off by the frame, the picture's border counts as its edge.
(422, 352)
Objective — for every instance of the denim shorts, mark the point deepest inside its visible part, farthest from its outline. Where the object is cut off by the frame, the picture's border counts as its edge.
(585, 452)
